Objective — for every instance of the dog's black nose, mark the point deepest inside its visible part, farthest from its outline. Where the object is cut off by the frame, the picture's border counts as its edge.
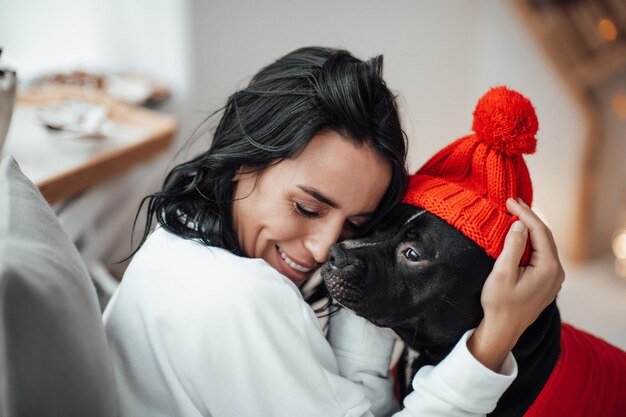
(337, 257)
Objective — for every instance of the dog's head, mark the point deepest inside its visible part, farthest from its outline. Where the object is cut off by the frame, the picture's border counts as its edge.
(415, 274)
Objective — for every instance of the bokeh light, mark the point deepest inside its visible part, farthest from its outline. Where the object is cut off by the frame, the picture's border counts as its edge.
(619, 244)
(607, 30)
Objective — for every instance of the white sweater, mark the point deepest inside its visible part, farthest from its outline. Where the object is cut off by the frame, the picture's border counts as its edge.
(198, 331)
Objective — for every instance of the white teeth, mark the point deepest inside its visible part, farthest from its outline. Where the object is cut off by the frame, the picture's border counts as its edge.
(292, 263)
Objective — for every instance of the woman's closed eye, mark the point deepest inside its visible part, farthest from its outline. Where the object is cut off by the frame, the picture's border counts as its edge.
(306, 211)
(351, 226)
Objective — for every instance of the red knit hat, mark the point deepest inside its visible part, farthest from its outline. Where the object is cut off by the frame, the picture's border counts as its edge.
(468, 182)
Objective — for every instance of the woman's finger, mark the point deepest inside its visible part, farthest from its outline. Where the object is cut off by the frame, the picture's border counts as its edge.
(512, 251)
(540, 238)
(545, 253)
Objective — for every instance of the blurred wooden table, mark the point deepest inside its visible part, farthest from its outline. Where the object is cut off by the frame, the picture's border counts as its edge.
(63, 168)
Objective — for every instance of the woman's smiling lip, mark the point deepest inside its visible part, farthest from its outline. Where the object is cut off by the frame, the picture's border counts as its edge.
(297, 265)
(296, 276)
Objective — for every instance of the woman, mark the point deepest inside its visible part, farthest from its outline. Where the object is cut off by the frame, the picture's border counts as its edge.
(208, 319)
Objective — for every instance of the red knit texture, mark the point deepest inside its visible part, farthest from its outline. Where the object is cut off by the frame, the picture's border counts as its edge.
(468, 182)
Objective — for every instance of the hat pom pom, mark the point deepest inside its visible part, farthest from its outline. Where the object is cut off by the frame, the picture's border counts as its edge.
(506, 120)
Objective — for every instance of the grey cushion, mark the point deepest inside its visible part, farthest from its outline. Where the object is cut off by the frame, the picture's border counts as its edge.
(53, 355)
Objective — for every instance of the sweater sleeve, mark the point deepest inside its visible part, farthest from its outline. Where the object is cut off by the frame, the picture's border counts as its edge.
(458, 386)
(363, 353)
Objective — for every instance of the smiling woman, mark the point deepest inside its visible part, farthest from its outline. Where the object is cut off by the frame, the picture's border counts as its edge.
(209, 320)
(290, 213)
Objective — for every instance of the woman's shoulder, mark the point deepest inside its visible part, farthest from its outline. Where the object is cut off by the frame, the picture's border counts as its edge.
(165, 250)
(171, 269)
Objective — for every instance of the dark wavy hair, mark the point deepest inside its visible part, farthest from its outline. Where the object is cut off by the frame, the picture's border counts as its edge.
(284, 106)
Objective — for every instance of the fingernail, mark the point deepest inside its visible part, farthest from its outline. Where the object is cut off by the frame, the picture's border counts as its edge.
(512, 201)
(519, 199)
(518, 226)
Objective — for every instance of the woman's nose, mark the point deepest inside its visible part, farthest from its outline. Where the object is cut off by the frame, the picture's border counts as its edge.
(318, 243)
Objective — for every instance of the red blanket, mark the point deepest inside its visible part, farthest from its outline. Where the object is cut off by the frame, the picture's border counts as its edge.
(589, 379)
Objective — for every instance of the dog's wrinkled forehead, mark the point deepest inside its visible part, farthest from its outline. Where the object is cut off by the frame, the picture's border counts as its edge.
(402, 219)
(415, 216)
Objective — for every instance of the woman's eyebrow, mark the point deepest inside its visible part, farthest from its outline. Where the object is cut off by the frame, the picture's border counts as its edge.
(318, 196)
(321, 197)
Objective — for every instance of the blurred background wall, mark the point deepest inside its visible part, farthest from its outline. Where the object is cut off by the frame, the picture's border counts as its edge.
(440, 57)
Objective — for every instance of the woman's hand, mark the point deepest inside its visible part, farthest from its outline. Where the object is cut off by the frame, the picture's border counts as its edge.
(514, 296)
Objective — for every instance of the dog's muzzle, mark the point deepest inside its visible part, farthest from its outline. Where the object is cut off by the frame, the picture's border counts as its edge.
(343, 276)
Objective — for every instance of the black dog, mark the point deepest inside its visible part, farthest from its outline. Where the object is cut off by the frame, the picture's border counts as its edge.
(422, 278)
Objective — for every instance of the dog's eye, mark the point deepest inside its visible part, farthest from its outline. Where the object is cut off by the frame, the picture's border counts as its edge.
(411, 255)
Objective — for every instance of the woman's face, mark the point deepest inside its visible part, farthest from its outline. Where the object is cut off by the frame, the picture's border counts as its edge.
(292, 212)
